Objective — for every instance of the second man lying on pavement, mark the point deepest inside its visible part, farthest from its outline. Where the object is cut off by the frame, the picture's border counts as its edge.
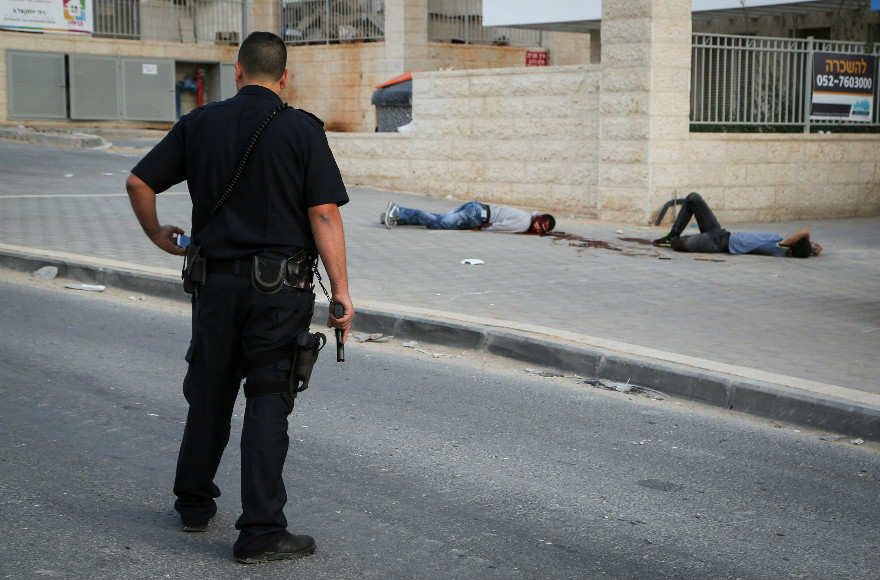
(472, 215)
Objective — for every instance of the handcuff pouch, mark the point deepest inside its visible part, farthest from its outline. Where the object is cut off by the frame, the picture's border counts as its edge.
(267, 275)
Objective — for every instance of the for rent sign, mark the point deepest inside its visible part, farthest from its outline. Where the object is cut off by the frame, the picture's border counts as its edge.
(47, 15)
(843, 86)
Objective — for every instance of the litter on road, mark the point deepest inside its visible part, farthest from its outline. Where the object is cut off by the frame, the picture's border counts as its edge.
(375, 337)
(413, 344)
(623, 387)
(89, 287)
(46, 273)
(541, 373)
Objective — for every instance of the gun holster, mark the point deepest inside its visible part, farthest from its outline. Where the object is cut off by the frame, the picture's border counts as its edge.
(195, 271)
(302, 352)
(308, 346)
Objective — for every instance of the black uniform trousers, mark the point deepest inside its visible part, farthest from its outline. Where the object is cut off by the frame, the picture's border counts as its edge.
(231, 321)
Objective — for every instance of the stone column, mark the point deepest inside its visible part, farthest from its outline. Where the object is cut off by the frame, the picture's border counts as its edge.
(644, 106)
(406, 34)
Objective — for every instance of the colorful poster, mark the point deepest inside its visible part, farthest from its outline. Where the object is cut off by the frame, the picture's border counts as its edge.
(843, 87)
(74, 16)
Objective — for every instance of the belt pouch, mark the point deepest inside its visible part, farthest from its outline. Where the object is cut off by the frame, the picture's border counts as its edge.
(267, 276)
(307, 347)
(195, 272)
(299, 271)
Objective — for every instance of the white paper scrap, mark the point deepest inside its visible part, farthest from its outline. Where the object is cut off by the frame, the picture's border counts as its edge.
(90, 287)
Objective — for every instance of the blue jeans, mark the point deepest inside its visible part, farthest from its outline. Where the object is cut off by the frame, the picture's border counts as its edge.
(712, 239)
(464, 217)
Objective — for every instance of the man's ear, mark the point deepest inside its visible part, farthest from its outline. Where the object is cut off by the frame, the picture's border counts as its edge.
(283, 81)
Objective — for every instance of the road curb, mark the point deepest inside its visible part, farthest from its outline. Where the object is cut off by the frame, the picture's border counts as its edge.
(80, 140)
(762, 399)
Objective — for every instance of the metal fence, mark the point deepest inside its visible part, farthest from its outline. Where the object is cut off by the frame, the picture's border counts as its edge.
(748, 80)
(331, 21)
(300, 21)
(222, 21)
(461, 21)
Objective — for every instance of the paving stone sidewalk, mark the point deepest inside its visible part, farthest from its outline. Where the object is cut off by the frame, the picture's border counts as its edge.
(811, 323)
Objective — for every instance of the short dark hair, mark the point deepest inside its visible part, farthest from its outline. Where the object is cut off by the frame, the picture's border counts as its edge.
(551, 221)
(802, 248)
(263, 55)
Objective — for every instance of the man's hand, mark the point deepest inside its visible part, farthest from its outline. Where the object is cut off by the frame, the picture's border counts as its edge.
(344, 323)
(166, 239)
(794, 238)
(143, 202)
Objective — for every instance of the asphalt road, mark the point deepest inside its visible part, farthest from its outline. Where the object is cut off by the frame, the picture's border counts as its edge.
(405, 465)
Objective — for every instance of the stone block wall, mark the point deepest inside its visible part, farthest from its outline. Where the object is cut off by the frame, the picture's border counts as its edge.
(336, 82)
(526, 137)
(475, 56)
(763, 177)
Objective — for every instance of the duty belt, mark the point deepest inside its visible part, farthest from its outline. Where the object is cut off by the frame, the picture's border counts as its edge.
(229, 267)
(296, 271)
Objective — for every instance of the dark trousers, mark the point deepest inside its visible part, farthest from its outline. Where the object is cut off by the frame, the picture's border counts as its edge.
(712, 238)
(231, 321)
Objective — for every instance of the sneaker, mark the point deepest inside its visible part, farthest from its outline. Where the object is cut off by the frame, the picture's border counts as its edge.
(665, 241)
(286, 548)
(389, 218)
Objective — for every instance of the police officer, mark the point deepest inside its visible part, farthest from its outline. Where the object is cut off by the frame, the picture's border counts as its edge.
(257, 294)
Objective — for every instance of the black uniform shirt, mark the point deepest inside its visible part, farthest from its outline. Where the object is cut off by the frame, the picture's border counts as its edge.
(290, 170)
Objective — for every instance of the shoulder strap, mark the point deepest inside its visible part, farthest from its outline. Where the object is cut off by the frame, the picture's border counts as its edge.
(241, 164)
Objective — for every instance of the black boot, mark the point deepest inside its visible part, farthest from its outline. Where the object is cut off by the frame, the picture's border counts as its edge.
(288, 547)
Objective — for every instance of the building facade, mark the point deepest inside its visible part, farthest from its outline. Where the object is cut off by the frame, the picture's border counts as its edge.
(146, 55)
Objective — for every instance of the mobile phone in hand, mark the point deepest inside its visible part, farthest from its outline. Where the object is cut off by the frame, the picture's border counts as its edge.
(183, 240)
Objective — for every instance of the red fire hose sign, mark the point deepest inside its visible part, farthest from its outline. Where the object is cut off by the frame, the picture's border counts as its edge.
(536, 58)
